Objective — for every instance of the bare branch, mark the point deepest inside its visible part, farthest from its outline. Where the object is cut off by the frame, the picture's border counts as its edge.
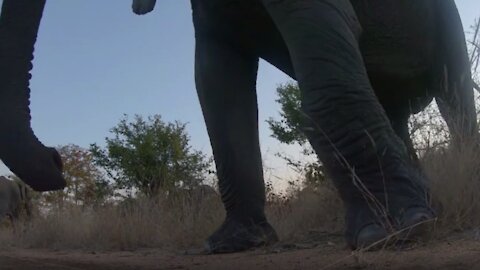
(475, 85)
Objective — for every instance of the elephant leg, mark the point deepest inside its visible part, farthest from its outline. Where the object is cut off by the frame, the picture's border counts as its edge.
(226, 84)
(455, 99)
(346, 124)
(37, 165)
(458, 111)
(399, 122)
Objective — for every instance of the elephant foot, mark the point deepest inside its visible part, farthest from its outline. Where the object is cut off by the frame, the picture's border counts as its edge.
(416, 223)
(371, 237)
(365, 230)
(38, 166)
(235, 236)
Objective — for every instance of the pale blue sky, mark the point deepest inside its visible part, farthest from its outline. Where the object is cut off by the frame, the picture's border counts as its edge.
(96, 60)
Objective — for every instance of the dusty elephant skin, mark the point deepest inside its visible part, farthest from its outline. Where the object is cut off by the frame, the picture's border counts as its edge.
(13, 199)
(315, 42)
(37, 165)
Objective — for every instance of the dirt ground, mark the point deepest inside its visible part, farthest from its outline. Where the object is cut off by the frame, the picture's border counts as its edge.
(455, 254)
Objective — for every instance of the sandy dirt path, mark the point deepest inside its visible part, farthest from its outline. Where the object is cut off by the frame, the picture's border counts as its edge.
(460, 254)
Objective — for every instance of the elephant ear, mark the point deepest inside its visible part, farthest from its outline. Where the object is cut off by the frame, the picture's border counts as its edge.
(141, 7)
(456, 99)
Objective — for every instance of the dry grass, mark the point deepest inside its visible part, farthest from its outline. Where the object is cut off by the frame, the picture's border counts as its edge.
(454, 176)
(308, 210)
(174, 223)
(185, 221)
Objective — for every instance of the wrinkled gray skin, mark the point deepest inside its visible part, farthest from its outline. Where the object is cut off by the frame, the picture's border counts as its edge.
(317, 43)
(13, 199)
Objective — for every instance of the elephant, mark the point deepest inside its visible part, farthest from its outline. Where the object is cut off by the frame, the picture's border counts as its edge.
(13, 199)
(316, 42)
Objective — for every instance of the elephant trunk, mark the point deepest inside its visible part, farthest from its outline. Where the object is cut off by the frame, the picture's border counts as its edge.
(20, 150)
(17, 39)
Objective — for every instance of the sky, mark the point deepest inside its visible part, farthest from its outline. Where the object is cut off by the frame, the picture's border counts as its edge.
(96, 61)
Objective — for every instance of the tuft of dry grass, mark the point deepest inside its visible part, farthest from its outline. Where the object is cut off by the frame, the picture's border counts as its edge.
(308, 210)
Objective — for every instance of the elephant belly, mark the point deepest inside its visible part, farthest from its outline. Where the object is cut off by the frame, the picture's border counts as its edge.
(398, 36)
(411, 95)
(244, 24)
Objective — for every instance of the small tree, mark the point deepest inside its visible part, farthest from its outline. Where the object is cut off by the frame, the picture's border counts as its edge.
(288, 130)
(150, 156)
(85, 182)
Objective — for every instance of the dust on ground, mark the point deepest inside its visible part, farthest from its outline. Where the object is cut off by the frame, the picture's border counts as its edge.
(454, 254)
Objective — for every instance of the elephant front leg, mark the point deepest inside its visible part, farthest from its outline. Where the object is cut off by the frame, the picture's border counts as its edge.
(345, 122)
(226, 84)
(38, 166)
